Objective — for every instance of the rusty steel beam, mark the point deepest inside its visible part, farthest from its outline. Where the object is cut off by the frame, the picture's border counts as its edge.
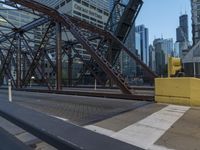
(7, 59)
(88, 65)
(31, 57)
(70, 67)
(7, 70)
(58, 18)
(133, 56)
(18, 59)
(25, 28)
(28, 63)
(37, 56)
(58, 57)
(102, 62)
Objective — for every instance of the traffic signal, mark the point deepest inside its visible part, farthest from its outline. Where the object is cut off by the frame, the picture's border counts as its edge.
(174, 66)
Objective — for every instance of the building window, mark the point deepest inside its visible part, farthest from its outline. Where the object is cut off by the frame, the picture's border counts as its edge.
(85, 4)
(93, 7)
(106, 13)
(77, 13)
(93, 19)
(99, 10)
(78, 1)
(85, 16)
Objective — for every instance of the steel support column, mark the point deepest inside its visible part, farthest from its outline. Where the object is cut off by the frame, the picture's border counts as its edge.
(42, 65)
(70, 63)
(24, 65)
(110, 61)
(18, 56)
(58, 57)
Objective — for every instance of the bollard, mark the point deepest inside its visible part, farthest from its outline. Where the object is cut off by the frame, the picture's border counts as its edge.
(95, 84)
(9, 91)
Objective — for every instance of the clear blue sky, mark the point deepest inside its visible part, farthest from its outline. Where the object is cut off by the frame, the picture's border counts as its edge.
(161, 17)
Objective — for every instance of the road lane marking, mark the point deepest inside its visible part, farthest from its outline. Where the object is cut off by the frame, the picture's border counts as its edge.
(147, 131)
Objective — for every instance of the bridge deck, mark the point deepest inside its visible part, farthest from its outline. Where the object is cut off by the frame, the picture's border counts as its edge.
(146, 125)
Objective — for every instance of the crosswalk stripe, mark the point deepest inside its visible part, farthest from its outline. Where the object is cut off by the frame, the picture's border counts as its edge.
(100, 130)
(157, 147)
(147, 131)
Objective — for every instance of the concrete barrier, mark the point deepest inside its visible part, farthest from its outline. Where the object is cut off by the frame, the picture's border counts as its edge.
(181, 91)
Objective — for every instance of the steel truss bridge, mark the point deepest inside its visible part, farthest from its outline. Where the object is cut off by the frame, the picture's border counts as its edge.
(19, 48)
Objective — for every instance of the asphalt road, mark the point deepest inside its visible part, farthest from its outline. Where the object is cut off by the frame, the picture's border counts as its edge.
(79, 110)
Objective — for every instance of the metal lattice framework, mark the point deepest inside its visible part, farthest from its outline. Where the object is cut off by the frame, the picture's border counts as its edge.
(19, 46)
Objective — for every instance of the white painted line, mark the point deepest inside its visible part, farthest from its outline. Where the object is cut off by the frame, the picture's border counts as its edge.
(147, 131)
(100, 130)
(63, 119)
(157, 147)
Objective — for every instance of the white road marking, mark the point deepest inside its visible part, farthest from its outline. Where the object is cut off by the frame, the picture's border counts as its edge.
(63, 119)
(100, 130)
(157, 147)
(147, 131)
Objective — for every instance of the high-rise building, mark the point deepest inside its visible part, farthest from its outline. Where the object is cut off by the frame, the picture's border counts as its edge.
(144, 43)
(195, 20)
(182, 37)
(163, 48)
(176, 52)
(152, 58)
(95, 12)
(160, 65)
(128, 65)
(167, 47)
(191, 60)
(182, 30)
(137, 43)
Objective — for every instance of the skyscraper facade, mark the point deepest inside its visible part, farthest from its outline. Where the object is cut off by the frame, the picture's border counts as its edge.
(168, 46)
(144, 43)
(160, 65)
(93, 11)
(152, 58)
(159, 53)
(128, 65)
(182, 37)
(182, 30)
(195, 20)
